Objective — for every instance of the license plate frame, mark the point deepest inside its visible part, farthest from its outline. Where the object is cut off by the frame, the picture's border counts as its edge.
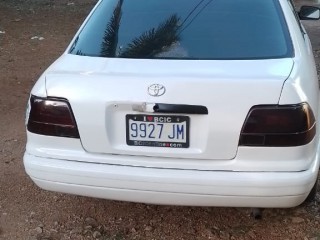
(182, 121)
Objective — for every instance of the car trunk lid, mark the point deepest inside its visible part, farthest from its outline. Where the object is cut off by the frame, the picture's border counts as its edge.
(105, 94)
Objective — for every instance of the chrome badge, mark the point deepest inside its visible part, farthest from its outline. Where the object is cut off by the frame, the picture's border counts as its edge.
(156, 90)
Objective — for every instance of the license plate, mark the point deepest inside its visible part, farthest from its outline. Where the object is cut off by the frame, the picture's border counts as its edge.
(157, 131)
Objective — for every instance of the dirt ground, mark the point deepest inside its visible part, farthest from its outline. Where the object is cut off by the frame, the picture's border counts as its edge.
(31, 37)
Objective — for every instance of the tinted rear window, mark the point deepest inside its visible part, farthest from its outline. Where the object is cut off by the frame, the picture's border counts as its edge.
(185, 29)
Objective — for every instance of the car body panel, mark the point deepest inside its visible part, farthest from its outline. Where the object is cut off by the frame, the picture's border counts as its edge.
(110, 89)
(174, 186)
(248, 159)
(300, 85)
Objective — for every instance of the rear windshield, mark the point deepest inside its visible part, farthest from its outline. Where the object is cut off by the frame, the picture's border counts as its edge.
(185, 29)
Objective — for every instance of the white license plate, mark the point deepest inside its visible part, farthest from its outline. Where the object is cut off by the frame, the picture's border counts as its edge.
(157, 131)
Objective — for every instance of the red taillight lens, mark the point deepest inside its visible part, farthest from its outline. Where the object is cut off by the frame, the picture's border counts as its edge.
(279, 126)
(52, 117)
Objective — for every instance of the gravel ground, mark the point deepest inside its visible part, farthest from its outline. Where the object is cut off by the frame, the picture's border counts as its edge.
(32, 34)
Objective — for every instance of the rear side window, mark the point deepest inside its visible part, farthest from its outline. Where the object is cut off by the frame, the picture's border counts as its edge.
(185, 29)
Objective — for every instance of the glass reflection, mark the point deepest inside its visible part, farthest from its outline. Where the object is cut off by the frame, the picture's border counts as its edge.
(193, 29)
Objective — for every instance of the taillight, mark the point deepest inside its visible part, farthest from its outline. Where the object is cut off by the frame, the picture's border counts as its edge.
(52, 117)
(279, 126)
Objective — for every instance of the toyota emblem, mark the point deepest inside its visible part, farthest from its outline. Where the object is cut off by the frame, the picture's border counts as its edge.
(156, 90)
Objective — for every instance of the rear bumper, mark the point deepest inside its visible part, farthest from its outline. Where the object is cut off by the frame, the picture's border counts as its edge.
(172, 186)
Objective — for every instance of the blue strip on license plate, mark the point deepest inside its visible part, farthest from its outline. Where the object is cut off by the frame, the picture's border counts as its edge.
(157, 131)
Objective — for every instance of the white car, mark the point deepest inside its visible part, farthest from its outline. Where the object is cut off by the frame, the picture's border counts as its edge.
(201, 103)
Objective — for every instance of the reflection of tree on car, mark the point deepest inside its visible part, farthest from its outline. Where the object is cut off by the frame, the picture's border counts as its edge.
(160, 42)
(148, 44)
(201, 29)
(110, 39)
